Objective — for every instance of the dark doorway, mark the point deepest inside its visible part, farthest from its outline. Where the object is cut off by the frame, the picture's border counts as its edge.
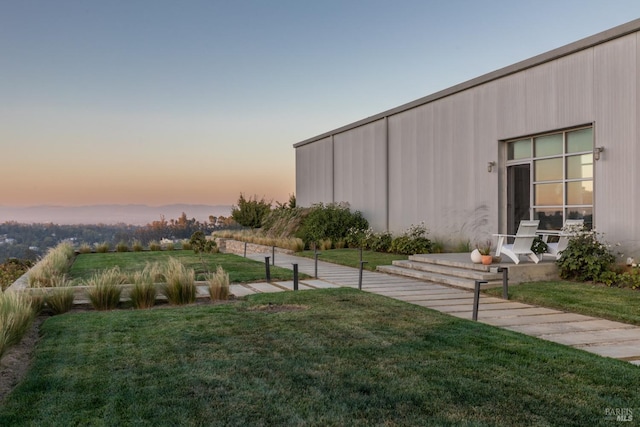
(518, 195)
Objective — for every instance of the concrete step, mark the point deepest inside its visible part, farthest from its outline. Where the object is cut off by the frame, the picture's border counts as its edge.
(449, 262)
(443, 279)
(448, 270)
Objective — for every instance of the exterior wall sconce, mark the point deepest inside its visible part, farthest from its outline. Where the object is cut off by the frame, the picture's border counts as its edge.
(596, 152)
(491, 165)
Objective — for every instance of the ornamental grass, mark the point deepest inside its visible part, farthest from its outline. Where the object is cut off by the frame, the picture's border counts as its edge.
(16, 316)
(180, 287)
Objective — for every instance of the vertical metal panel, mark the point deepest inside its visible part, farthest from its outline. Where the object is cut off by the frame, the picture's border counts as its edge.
(404, 181)
(541, 97)
(360, 171)
(615, 100)
(510, 105)
(574, 87)
(314, 177)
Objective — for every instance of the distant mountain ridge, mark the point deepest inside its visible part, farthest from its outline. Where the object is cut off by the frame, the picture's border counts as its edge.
(108, 214)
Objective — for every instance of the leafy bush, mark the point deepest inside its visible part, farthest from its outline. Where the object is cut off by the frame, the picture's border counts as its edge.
(250, 212)
(143, 294)
(180, 287)
(104, 292)
(332, 221)
(538, 246)
(412, 241)
(379, 242)
(218, 284)
(60, 299)
(16, 315)
(11, 270)
(585, 258)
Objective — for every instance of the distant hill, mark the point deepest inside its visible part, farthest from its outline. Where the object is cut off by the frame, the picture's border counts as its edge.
(108, 214)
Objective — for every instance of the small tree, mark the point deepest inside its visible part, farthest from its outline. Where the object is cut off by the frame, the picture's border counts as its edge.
(250, 212)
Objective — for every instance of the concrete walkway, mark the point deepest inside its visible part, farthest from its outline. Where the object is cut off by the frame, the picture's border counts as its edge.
(602, 337)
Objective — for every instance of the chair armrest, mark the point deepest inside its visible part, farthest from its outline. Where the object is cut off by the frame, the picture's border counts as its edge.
(504, 235)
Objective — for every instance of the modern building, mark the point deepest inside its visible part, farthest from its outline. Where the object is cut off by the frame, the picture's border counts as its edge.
(553, 137)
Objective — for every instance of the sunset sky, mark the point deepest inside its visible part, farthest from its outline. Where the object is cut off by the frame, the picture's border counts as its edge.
(158, 102)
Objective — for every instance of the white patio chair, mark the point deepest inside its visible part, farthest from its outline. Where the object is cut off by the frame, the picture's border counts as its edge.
(571, 227)
(522, 241)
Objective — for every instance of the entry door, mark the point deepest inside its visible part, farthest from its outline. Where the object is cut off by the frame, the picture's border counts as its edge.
(518, 195)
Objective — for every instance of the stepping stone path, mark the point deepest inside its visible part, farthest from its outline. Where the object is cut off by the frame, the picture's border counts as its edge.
(603, 337)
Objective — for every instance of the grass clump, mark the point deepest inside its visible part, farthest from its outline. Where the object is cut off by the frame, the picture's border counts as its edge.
(55, 264)
(16, 316)
(143, 294)
(103, 248)
(218, 284)
(155, 246)
(104, 290)
(137, 246)
(180, 287)
(60, 299)
(85, 248)
(122, 247)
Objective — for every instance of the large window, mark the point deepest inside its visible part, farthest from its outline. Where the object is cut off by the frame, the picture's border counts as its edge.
(561, 177)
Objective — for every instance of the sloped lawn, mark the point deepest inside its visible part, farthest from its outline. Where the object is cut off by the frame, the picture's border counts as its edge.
(240, 269)
(332, 357)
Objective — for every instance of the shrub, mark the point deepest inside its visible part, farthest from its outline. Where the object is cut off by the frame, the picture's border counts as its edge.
(378, 242)
(585, 258)
(218, 284)
(155, 246)
(412, 241)
(60, 299)
(143, 294)
(250, 212)
(332, 221)
(16, 315)
(102, 248)
(180, 287)
(11, 270)
(137, 246)
(104, 292)
(122, 247)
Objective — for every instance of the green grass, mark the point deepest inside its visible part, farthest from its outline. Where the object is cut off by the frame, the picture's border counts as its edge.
(241, 270)
(349, 358)
(618, 304)
(351, 257)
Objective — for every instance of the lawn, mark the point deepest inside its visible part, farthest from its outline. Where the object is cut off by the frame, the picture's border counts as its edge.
(240, 269)
(618, 304)
(351, 257)
(344, 358)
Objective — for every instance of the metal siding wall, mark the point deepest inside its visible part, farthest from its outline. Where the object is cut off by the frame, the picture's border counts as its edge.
(438, 152)
(616, 95)
(361, 171)
(314, 173)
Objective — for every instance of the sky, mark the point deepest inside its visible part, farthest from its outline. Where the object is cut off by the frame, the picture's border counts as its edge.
(160, 102)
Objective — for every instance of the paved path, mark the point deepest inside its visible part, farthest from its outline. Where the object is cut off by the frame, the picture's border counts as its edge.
(602, 337)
